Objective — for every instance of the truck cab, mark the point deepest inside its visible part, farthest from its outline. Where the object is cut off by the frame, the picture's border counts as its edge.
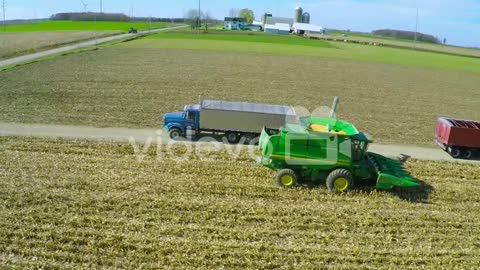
(179, 124)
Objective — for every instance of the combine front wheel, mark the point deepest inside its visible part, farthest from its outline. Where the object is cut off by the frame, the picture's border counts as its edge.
(340, 180)
(286, 178)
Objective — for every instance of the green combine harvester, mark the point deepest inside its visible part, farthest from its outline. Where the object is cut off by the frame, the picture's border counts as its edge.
(331, 150)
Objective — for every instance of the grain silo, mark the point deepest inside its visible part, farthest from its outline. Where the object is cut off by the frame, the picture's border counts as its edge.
(298, 15)
(264, 19)
(306, 18)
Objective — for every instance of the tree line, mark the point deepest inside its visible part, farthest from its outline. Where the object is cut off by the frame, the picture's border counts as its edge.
(408, 35)
(90, 16)
(115, 17)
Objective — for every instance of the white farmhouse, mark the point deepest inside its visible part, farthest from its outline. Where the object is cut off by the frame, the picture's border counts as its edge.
(234, 23)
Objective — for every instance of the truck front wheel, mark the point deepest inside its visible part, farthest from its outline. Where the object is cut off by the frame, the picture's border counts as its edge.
(340, 180)
(175, 133)
(286, 178)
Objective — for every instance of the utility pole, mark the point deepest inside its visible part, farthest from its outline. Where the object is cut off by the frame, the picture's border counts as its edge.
(101, 6)
(95, 24)
(416, 30)
(4, 20)
(85, 6)
(199, 16)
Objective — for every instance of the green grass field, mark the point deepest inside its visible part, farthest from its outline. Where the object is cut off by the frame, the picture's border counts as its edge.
(82, 26)
(237, 36)
(269, 45)
(74, 205)
(402, 43)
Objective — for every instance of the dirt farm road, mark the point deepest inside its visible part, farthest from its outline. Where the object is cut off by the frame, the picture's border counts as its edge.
(142, 135)
(34, 56)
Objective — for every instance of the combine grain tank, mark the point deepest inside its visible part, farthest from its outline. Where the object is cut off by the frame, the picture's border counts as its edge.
(460, 138)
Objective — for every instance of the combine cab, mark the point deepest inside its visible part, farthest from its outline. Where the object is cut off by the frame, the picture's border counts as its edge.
(328, 150)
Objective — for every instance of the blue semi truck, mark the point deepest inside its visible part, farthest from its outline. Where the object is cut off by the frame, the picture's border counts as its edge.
(232, 119)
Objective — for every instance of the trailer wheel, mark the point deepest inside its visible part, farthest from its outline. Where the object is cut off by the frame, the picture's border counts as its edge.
(233, 137)
(455, 152)
(467, 154)
(340, 180)
(175, 133)
(286, 178)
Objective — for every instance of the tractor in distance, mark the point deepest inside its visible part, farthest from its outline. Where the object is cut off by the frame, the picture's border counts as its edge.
(317, 149)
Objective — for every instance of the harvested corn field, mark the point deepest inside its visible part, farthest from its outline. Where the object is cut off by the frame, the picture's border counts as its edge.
(93, 205)
(15, 44)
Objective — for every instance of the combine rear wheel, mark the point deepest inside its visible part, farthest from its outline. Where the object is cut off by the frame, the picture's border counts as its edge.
(286, 178)
(340, 180)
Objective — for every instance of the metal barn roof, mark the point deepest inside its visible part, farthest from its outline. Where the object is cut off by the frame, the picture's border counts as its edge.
(247, 107)
(275, 20)
(278, 26)
(307, 27)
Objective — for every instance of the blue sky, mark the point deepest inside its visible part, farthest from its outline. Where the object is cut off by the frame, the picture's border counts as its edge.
(458, 20)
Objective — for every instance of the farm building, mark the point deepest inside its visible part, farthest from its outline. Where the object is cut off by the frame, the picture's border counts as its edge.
(234, 23)
(279, 20)
(305, 28)
(278, 28)
(253, 27)
(258, 23)
(300, 24)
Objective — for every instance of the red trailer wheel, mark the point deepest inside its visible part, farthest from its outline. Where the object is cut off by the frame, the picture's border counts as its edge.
(455, 152)
(468, 154)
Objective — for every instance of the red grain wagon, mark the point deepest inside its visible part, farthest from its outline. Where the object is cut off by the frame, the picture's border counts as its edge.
(460, 138)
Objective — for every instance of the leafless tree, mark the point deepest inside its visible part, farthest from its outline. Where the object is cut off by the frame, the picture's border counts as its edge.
(234, 12)
(208, 20)
(194, 19)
